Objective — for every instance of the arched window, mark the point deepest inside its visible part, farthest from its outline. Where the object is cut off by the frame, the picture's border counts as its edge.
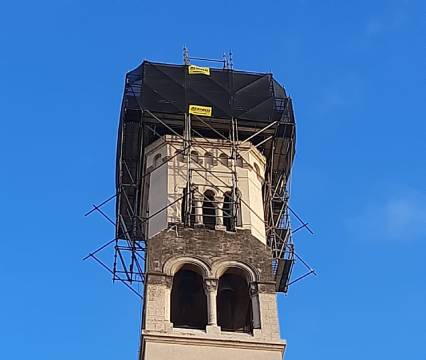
(183, 208)
(194, 156)
(229, 218)
(209, 210)
(257, 169)
(188, 300)
(208, 158)
(239, 162)
(223, 159)
(234, 308)
(157, 160)
(228, 212)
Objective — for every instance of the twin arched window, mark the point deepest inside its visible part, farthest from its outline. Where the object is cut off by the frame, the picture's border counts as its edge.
(208, 209)
(233, 302)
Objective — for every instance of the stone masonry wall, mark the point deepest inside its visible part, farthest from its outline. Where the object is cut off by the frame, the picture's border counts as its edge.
(210, 246)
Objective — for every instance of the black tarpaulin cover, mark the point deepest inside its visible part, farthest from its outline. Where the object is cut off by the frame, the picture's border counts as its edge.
(171, 89)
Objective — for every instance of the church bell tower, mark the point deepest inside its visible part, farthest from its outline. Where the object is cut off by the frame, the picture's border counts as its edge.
(204, 156)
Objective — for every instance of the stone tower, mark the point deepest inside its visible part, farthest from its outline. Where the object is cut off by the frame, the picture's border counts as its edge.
(208, 152)
(209, 292)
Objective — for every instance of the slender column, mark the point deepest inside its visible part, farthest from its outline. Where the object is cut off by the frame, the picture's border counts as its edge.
(254, 295)
(210, 287)
(198, 203)
(219, 210)
(167, 294)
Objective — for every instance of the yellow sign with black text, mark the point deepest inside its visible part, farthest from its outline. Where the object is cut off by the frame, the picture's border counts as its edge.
(200, 110)
(201, 70)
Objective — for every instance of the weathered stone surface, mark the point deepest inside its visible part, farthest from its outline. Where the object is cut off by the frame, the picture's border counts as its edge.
(160, 340)
(210, 246)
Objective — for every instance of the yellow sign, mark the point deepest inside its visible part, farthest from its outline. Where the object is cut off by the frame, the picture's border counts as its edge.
(194, 70)
(200, 110)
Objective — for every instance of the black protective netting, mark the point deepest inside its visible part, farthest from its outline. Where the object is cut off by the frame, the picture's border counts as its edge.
(248, 96)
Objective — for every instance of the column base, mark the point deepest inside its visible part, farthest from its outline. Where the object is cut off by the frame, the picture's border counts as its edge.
(213, 330)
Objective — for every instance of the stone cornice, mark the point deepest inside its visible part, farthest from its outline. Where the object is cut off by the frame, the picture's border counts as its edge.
(236, 343)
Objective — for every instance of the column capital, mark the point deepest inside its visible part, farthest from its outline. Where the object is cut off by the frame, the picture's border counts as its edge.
(253, 289)
(210, 285)
(198, 197)
(169, 282)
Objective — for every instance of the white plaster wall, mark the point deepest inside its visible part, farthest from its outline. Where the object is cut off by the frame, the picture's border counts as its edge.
(157, 198)
(254, 184)
(176, 182)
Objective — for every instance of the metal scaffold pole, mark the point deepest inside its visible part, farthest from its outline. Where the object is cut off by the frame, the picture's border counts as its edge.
(188, 192)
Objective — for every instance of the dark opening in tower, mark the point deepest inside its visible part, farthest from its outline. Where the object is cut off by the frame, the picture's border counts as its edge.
(191, 220)
(232, 211)
(234, 309)
(188, 300)
(228, 212)
(209, 210)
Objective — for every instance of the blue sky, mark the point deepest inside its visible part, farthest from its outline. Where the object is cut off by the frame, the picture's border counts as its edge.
(356, 72)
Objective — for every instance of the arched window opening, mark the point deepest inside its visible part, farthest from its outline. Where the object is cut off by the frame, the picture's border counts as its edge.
(188, 300)
(223, 159)
(234, 308)
(238, 209)
(209, 210)
(239, 162)
(257, 169)
(157, 160)
(184, 209)
(230, 218)
(194, 156)
(208, 158)
(228, 212)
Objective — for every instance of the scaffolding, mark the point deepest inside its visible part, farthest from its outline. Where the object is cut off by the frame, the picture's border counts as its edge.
(246, 108)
